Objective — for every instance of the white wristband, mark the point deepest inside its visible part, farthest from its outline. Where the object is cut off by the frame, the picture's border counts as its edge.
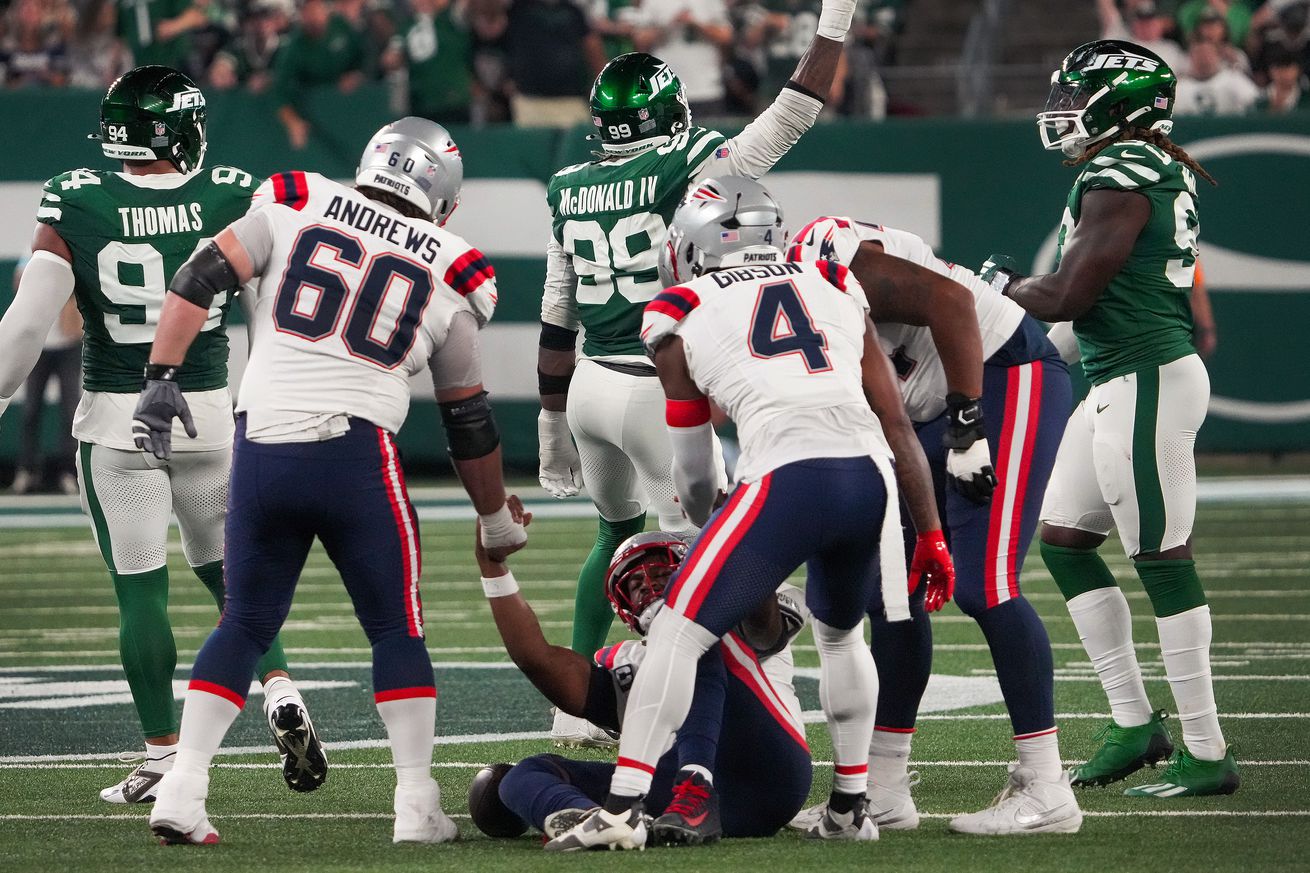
(835, 19)
(500, 586)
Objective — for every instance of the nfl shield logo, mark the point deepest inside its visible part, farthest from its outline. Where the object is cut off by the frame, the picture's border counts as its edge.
(729, 236)
(643, 114)
(1161, 102)
(160, 130)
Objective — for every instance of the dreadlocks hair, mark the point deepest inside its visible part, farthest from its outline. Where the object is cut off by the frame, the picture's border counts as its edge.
(1155, 138)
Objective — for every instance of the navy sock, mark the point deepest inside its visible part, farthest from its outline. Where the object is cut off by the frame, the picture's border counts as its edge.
(902, 652)
(1021, 652)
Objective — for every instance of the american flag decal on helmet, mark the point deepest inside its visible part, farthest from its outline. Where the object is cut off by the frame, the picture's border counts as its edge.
(1161, 102)
(729, 236)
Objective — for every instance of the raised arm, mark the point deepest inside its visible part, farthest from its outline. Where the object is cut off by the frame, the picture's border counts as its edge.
(44, 287)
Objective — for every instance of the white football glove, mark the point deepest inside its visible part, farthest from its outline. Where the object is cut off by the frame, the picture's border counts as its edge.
(560, 472)
(971, 471)
(835, 19)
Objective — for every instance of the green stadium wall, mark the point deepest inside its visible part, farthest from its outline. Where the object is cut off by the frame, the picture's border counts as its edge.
(969, 188)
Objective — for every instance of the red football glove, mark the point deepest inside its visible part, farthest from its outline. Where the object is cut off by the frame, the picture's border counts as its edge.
(933, 560)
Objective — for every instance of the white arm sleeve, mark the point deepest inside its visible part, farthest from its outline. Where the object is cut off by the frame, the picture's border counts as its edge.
(694, 475)
(1061, 336)
(458, 362)
(254, 231)
(559, 299)
(45, 287)
(755, 150)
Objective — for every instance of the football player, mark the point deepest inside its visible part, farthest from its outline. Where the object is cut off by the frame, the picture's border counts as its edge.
(609, 218)
(980, 380)
(113, 241)
(1126, 262)
(707, 786)
(358, 289)
(788, 352)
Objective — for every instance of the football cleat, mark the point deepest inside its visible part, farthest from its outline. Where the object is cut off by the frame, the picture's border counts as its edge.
(890, 807)
(692, 817)
(564, 820)
(1124, 751)
(855, 825)
(304, 763)
(571, 732)
(179, 817)
(139, 785)
(1025, 806)
(1189, 776)
(419, 818)
(604, 830)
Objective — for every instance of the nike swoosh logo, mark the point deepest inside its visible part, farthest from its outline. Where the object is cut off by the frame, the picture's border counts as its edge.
(695, 820)
(1040, 818)
(1101, 409)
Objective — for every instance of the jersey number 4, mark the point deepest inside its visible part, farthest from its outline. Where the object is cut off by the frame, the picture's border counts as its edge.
(313, 294)
(782, 325)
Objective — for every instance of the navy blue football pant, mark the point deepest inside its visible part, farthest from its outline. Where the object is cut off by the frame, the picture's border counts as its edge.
(1025, 408)
(349, 492)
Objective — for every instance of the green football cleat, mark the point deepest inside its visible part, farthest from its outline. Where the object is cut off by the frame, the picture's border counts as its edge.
(1189, 776)
(1125, 751)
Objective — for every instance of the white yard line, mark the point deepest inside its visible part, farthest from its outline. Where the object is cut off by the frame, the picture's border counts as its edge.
(141, 817)
(468, 765)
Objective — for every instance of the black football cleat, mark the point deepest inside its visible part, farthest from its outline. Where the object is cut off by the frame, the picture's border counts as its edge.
(692, 817)
(304, 763)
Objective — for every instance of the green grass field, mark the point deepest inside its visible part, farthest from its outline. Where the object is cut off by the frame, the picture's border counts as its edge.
(62, 696)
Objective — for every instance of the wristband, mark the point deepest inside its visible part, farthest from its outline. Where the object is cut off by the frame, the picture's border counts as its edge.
(500, 586)
(162, 372)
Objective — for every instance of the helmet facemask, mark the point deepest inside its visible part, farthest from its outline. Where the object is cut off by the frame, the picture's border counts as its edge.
(1063, 125)
(638, 576)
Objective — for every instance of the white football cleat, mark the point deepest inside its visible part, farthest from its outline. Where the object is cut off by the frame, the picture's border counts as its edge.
(179, 817)
(139, 785)
(1026, 806)
(808, 818)
(892, 806)
(604, 830)
(572, 732)
(855, 825)
(564, 820)
(419, 818)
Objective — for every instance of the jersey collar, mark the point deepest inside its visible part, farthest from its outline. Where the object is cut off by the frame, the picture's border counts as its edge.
(157, 181)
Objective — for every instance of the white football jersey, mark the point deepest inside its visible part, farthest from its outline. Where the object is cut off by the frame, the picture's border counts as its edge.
(778, 347)
(351, 300)
(918, 367)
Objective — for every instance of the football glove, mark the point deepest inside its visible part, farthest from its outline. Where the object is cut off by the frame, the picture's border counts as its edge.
(932, 565)
(161, 401)
(969, 461)
(1000, 271)
(560, 472)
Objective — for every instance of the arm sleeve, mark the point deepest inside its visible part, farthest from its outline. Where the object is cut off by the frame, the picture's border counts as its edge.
(254, 231)
(458, 362)
(694, 475)
(45, 287)
(1061, 336)
(755, 150)
(559, 298)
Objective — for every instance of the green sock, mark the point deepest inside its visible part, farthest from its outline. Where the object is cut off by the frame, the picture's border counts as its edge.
(274, 659)
(1173, 585)
(145, 645)
(592, 613)
(1076, 571)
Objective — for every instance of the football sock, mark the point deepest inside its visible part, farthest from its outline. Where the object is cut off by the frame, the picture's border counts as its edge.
(1021, 653)
(698, 737)
(411, 723)
(1105, 625)
(592, 613)
(889, 756)
(1076, 571)
(902, 652)
(1041, 754)
(146, 647)
(274, 659)
(1173, 585)
(161, 754)
(843, 801)
(659, 701)
(1185, 648)
(848, 693)
(206, 717)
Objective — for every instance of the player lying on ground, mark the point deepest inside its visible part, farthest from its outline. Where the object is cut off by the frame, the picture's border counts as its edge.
(788, 352)
(980, 381)
(745, 783)
(1127, 254)
(315, 453)
(113, 241)
(609, 218)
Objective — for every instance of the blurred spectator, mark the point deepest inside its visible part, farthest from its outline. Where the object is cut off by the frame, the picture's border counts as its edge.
(98, 56)
(1144, 23)
(436, 51)
(159, 31)
(1210, 88)
(34, 50)
(1278, 26)
(693, 37)
(1212, 27)
(373, 21)
(323, 50)
(870, 47)
(248, 58)
(1288, 88)
(783, 30)
(612, 19)
(60, 360)
(1236, 12)
(551, 55)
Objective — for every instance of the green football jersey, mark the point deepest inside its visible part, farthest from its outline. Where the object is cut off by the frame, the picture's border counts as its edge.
(611, 216)
(1144, 316)
(127, 242)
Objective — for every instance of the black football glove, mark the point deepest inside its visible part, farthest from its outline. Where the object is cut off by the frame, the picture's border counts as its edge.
(161, 401)
(969, 460)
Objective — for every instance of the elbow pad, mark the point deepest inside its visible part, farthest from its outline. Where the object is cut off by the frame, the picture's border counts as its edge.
(205, 275)
(471, 431)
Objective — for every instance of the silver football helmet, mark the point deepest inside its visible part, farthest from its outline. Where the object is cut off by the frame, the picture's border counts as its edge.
(416, 160)
(723, 222)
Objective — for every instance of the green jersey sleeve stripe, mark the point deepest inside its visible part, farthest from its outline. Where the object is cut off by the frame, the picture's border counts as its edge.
(1145, 172)
(699, 150)
(1112, 175)
(53, 213)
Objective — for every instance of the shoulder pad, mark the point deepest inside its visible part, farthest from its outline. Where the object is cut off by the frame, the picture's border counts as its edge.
(828, 238)
(700, 144)
(234, 176)
(290, 189)
(665, 313)
(1128, 166)
(473, 278)
(629, 653)
(836, 274)
(59, 193)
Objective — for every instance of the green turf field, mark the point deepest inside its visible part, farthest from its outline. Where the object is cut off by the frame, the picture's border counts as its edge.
(62, 695)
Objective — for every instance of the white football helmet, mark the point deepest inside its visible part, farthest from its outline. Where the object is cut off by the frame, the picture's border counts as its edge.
(416, 160)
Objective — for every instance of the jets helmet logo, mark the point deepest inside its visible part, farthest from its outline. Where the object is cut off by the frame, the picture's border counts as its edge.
(191, 98)
(1123, 62)
(662, 79)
